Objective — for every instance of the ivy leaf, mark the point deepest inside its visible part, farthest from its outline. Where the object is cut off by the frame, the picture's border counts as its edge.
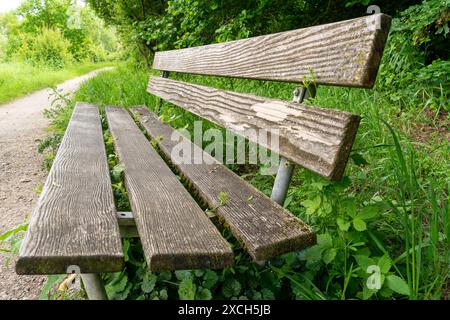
(163, 295)
(256, 295)
(198, 273)
(204, 294)
(359, 224)
(397, 284)
(270, 280)
(210, 279)
(117, 286)
(231, 288)
(342, 224)
(124, 294)
(385, 264)
(183, 274)
(267, 294)
(165, 276)
(186, 290)
(148, 283)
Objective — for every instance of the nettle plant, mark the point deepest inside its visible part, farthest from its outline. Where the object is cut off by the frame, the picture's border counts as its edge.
(344, 263)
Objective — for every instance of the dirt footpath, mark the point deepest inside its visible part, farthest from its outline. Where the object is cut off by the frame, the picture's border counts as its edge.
(22, 124)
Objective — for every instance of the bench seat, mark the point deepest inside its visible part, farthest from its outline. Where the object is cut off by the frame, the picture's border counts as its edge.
(263, 227)
(75, 221)
(174, 231)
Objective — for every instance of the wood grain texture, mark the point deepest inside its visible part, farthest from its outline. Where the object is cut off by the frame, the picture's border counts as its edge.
(263, 227)
(75, 219)
(316, 138)
(346, 53)
(174, 231)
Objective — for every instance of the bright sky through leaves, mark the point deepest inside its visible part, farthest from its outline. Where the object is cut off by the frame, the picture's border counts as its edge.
(8, 5)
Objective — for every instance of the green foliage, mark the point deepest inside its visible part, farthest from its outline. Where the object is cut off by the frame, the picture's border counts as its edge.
(55, 32)
(39, 14)
(49, 49)
(49, 289)
(415, 68)
(243, 281)
(11, 240)
(415, 65)
(151, 25)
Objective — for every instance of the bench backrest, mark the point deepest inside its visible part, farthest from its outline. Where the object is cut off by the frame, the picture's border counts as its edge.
(346, 53)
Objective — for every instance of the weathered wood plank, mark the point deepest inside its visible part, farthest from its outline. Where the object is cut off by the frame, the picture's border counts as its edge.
(75, 219)
(346, 53)
(264, 228)
(174, 231)
(316, 138)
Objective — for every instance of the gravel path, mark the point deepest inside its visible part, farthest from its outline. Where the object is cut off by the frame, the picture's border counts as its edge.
(21, 126)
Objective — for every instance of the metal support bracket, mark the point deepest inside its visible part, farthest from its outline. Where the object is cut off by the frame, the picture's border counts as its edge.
(286, 168)
(127, 225)
(282, 181)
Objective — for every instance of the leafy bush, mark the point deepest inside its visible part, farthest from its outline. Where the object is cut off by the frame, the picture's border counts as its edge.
(85, 37)
(415, 66)
(49, 48)
(2, 48)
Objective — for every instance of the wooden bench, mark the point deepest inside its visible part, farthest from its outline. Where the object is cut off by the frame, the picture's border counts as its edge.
(76, 225)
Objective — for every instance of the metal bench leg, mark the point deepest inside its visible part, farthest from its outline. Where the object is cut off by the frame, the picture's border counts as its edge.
(282, 181)
(286, 168)
(93, 285)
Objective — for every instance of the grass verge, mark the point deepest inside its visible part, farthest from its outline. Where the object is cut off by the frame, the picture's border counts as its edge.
(19, 79)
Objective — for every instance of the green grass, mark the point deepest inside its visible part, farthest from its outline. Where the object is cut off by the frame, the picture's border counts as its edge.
(390, 210)
(19, 79)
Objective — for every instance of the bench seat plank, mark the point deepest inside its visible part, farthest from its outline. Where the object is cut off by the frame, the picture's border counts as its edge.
(75, 219)
(264, 228)
(345, 53)
(174, 231)
(316, 138)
